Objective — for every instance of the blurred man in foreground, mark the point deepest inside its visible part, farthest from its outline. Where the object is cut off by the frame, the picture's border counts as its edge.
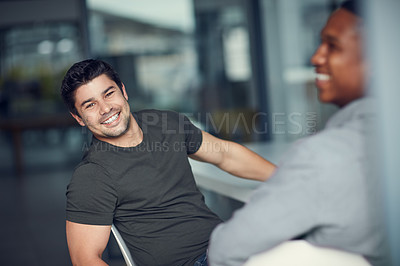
(320, 191)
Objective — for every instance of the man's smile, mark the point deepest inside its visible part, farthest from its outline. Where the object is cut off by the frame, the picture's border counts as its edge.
(321, 80)
(111, 119)
(322, 77)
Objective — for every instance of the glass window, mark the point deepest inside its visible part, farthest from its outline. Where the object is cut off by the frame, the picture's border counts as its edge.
(33, 60)
(39, 41)
(228, 95)
(184, 55)
(292, 33)
(151, 45)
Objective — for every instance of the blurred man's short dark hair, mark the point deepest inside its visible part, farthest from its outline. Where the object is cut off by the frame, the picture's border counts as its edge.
(353, 6)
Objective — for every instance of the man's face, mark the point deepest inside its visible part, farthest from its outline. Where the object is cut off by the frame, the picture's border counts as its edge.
(103, 108)
(339, 60)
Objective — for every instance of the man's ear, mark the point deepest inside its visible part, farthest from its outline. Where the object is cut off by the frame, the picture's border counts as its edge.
(78, 119)
(124, 92)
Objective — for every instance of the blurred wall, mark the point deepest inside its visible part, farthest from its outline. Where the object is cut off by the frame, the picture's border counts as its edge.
(384, 43)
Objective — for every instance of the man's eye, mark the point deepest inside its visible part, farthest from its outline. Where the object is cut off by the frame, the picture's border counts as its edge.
(109, 94)
(90, 105)
(332, 46)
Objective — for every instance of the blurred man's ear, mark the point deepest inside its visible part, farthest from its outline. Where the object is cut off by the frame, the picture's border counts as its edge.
(78, 119)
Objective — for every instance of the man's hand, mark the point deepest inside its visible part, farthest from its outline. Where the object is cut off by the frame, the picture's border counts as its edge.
(86, 243)
(233, 158)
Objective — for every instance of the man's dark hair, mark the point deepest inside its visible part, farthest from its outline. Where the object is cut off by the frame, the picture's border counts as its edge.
(80, 74)
(352, 6)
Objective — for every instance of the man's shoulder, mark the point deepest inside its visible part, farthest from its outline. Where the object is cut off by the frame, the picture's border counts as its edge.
(89, 170)
(332, 145)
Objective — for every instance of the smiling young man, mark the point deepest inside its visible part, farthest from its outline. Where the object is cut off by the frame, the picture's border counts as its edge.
(339, 61)
(136, 174)
(320, 191)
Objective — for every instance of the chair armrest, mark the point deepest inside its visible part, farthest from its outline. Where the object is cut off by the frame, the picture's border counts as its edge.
(124, 249)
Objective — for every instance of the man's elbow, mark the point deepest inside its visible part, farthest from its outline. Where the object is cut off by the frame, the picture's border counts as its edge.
(81, 259)
(76, 261)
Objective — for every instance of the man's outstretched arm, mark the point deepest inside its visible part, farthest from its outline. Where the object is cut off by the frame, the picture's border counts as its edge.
(86, 243)
(233, 158)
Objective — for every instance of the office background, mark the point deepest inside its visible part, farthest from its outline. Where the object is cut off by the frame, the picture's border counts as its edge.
(239, 68)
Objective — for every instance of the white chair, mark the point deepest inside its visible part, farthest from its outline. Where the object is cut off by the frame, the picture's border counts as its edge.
(122, 246)
(302, 253)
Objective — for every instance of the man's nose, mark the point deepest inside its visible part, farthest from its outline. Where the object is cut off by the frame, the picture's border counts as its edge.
(318, 57)
(105, 108)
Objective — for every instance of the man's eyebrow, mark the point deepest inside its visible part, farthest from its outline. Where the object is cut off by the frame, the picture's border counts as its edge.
(329, 37)
(87, 101)
(106, 90)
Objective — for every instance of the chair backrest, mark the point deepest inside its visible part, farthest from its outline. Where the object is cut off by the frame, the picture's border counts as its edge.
(122, 246)
(302, 253)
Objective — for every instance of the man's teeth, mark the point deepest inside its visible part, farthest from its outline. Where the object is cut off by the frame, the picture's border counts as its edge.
(111, 119)
(323, 77)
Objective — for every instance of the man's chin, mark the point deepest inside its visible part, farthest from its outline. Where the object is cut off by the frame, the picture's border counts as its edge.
(121, 132)
(116, 133)
(324, 97)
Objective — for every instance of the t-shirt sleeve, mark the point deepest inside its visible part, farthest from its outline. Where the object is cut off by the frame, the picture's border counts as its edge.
(91, 196)
(193, 135)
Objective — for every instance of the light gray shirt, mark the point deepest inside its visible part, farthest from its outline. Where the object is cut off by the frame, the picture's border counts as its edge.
(321, 192)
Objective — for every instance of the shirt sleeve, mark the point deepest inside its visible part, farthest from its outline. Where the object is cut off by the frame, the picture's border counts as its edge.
(91, 196)
(283, 208)
(193, 135)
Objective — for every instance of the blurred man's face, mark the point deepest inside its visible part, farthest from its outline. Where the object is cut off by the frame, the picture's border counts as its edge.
(338, 61)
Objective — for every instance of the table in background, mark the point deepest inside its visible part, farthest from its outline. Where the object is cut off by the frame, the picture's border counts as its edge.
(16, 126)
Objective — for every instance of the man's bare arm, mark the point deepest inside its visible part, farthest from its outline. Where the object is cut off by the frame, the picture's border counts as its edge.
(233, 158)
(86, 243)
